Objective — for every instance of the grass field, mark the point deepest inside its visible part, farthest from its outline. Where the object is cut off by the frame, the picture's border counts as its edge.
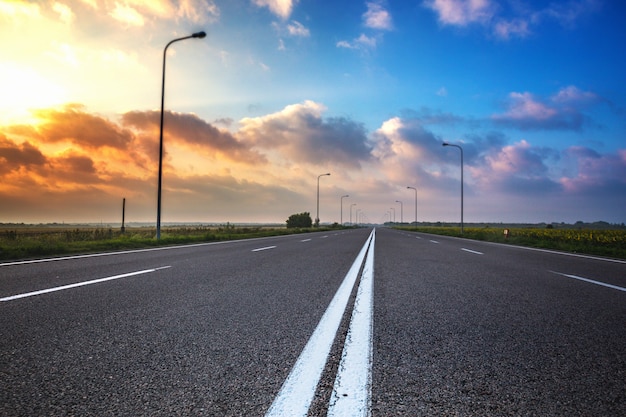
(24, 241)
(39, 241)
(604, 242)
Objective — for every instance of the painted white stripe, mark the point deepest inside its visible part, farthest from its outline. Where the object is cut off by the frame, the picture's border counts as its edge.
(351, 395)
(324, 237)
(305, 240)
(298, 390)
(434, 241)
(417, 237)
(604, 284)
(80, 284)
(472, 251)
(126, 252)
(265, 248)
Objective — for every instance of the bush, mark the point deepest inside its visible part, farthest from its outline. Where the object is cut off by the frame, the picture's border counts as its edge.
(300, 220)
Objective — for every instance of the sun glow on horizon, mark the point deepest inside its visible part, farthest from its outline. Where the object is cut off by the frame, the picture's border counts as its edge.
(24, 90)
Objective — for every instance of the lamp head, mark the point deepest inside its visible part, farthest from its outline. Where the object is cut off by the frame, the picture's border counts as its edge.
(445, 144)
(199, 35)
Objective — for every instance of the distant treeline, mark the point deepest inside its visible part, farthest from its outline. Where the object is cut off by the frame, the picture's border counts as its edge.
(580, 225)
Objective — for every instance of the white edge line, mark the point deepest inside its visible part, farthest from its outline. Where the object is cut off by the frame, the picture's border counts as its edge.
(265, 248)
(472, 251)
(297, 392)
(126, 252)
(305, 240)
(434, 241)
(604, 284)
(79, 284)
(351, 395)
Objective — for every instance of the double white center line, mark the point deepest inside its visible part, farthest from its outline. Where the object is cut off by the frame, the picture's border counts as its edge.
(352, 389)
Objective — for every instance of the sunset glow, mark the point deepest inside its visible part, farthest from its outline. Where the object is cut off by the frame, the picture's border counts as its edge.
(281, 91)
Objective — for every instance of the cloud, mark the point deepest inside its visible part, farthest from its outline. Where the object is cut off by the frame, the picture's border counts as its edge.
(198, 11)
(404, 148)
(281, 8)
(568, 13)
(506, 29)
(514, 21)
(513, 170)
(14, 156)
(301, 134)
(363, 43)
(65, 12)
(191, 130)
(297, 29)
(17, 10)
(74, 125)
(593, 171)
(376, 17)
(573, 95)
(136, 12)
(127, 15)
(562, 111)
(82, 164)
(462, 12)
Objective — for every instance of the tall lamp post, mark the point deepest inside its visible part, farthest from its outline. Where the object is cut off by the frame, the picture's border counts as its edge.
(401, 211)
(414, 189)
(394, 214)
(317, 218)
(198, 35)
(351, 205)
(461, 149)
(341, 215)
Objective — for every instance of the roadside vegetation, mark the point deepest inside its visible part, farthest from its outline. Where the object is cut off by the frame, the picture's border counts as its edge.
(571, 238)
(28, 241)
(20, 241)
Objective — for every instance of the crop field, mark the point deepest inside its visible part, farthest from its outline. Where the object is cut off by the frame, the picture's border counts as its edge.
(605, 242)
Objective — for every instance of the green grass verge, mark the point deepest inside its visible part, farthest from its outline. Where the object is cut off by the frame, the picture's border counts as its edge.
(37, 242)
(611, 243)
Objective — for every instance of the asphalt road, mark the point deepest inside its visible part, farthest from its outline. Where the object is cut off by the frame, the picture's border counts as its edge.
(438, 327)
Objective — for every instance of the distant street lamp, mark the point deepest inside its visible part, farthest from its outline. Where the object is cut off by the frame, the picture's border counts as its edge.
(461, 149)
(351, 205)
(401, 211)
(198, 35)
(394, 214)
(341, 210)
(317, 218)
(414, 189)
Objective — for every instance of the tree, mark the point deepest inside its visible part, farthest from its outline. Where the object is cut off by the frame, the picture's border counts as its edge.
(300, 220)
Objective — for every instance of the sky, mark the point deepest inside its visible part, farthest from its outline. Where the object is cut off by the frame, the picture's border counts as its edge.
(280, 92)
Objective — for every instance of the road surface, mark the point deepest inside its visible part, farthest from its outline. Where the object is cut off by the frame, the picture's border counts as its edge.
(356, 322)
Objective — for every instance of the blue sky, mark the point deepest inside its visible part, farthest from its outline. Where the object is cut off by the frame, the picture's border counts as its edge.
(281, 91)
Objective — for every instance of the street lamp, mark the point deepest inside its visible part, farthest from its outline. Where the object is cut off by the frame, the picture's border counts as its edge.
(198, 35)
(394, 214)
(414, 189)
(401, 211)
(351, 205)
(341, 210)
(317, 219)
(461, 149)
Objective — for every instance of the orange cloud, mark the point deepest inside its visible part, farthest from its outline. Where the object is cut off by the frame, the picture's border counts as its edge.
(190, 130)
(14, 156)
